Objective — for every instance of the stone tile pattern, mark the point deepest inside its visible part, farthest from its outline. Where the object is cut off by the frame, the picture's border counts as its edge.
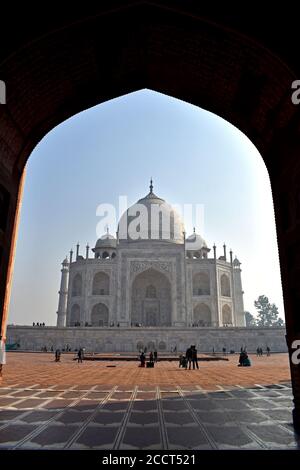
(161, 418)
(131, 408)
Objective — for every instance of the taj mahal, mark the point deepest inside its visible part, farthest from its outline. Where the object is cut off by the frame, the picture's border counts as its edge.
(149, 286)
(152, 276)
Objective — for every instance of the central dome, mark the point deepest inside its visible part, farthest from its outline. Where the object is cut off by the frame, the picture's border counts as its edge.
(151, 218)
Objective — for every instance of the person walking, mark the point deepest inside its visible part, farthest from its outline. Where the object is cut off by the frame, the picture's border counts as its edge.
(268, 351)
(155, 355)
(2, 354)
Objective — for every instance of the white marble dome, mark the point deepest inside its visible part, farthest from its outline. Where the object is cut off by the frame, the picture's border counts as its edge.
(151, 218)
(106, 241)
(195, 242)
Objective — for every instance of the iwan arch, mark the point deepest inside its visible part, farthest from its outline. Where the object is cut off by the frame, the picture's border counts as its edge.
(59, 65)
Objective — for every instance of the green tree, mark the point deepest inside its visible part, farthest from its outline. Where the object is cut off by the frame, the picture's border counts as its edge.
(268, 314)
(250, 319)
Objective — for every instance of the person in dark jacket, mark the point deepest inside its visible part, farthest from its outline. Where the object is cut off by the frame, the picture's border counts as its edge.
(188, 356)
(80, 355)
(194, 357)
(151, 358)
(142, 359)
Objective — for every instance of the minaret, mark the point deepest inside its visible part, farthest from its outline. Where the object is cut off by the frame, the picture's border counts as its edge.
(224, 246)
(215, 252)
(87, 251)
(238, 294)
(63, 294)
(77, 251)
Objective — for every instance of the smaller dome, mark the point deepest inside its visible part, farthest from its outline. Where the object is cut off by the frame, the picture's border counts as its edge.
(236, 262)
(65, 262)
(106, 241)
(195, 242)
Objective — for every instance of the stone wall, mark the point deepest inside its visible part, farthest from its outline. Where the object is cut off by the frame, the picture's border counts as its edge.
(131, 339)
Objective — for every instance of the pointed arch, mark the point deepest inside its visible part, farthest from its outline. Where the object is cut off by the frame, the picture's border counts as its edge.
(99, 315)
(202, 315)
(201, 284)
(225, 286)
(100, 284)
(226, 315)
(151, 299)
(77, 285)
(75, 315)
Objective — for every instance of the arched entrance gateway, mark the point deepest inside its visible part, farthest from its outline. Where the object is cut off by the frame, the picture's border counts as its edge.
(236, 67)
(151, 299)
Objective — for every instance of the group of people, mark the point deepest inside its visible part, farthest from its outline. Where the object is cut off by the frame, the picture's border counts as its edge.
(38, 324)
(244, 360)
(189, 358)
(79, 357)
(152, 358)
(259, 351)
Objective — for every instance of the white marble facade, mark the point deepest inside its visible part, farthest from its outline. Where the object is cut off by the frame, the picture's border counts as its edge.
(153, 276)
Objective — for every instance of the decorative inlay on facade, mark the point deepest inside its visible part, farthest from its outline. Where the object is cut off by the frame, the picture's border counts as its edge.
(139, 266)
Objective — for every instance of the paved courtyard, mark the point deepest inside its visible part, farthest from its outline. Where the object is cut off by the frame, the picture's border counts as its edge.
(116, 405)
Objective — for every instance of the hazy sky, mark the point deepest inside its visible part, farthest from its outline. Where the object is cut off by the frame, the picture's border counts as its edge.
(111, 150)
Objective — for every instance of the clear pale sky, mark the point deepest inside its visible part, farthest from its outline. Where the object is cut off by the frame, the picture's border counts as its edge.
(111, 150)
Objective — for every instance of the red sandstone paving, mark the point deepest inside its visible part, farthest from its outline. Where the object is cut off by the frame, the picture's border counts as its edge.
(40, 370)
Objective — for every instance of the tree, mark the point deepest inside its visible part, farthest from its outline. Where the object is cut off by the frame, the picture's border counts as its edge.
(268, 314)
(250, 320)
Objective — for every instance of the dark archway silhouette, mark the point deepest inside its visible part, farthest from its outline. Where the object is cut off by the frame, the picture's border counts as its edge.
(236, 66)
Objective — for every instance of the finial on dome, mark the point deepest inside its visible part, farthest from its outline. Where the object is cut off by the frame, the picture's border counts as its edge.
(151, 186)
(194, 230)
(107, 230)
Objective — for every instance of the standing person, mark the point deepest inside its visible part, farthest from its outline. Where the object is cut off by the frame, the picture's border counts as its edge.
(80, 355)
(224, 351)
(57, 355)
(155, 355)
(151, 359)
(194, 357)
(180, 359)
(268, 351)
(188, 356)
(2, 354)
(142, 359)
